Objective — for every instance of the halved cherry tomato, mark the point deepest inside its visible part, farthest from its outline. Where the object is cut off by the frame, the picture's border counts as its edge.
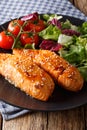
(29, 38)
(37, 25)
(6, 41)
(14, 26)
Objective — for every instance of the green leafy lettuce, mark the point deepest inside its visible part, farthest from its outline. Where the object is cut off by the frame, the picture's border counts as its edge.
(83, 28)
(76, 54)
(51, 32)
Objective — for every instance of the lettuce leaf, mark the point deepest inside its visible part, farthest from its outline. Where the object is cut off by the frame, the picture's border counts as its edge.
(76, 54)
(29, 46)
(83, 71)
(51, 32)
(68, 25)
(50, 45)
(83, 28)
(50, 17)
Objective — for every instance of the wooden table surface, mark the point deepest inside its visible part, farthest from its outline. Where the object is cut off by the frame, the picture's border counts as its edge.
(74, 119)
(81, 5)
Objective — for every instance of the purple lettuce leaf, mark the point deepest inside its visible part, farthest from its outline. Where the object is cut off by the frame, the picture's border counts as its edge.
(50, 45)
(55, 22)
(70, 32)
(30, 16)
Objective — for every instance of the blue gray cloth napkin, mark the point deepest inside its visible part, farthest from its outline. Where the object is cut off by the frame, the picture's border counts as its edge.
(14, 9)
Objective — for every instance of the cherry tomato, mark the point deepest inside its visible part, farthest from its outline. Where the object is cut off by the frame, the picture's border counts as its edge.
(14, 26)
(6, 41)
(29, 38)
(27, 26)
(37, 25)
(28, 19)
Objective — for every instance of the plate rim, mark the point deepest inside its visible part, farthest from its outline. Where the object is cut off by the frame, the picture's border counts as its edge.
(58, 108)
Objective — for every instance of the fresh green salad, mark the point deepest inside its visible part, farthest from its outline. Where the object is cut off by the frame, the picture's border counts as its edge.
(72, 41)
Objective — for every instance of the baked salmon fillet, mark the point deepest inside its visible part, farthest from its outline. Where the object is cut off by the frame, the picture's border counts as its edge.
(66, 75)
(27, 76)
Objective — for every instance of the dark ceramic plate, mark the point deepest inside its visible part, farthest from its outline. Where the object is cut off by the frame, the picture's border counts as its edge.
(60, 99)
